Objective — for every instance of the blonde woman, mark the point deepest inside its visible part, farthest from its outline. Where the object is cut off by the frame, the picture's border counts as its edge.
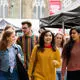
(59, 42)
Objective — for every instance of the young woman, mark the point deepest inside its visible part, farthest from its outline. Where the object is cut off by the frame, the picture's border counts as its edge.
(7, 27)
(8, 68)
(71, 56)
(45, 58)
(59, 42)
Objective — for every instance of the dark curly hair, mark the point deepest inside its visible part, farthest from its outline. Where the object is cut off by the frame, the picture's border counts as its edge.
(41, 41)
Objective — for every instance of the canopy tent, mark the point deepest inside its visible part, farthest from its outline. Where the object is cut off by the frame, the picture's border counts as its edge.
(69, 18)
(3, 24)
(63, 19)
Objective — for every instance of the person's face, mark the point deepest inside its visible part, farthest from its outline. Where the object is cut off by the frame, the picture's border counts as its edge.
(48, 38)
(42, 30)
(12, 38)
(58, 38)
(26, 29)
(75, 35)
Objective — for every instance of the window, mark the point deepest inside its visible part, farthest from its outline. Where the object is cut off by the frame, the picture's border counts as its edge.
(1, 11)
(3, 8)
(38, 9)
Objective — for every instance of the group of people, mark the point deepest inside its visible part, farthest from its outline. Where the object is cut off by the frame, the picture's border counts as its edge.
(46, 57)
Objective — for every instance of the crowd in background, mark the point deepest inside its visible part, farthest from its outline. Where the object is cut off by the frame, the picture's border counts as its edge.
(45, 57)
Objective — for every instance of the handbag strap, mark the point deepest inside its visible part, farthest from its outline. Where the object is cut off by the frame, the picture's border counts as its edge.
(17, 53)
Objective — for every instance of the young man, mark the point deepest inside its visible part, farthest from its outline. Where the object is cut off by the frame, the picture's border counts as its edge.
(27, 41)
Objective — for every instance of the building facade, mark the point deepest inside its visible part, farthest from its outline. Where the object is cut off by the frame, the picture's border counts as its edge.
(28, 9)
(24, 9)
(66, 3)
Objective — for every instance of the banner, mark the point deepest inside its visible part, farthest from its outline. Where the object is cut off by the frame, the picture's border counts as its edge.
(54, 6)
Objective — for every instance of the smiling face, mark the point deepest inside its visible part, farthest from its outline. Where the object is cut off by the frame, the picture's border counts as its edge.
(48, 38)
(75, 35)
(9, 37)
(59, 39)
(12, 38)
(26, 29)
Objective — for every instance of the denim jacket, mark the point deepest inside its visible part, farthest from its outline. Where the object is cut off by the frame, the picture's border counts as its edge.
(4, 57)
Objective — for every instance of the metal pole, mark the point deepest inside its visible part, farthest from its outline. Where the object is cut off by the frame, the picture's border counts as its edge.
(63, 27)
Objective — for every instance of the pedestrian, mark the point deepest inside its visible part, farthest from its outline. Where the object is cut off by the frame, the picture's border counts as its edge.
(8, 67)
(27, 41)
(7, 27)
(71, 56)
(45, 58)
(42, 29)
(59, 42)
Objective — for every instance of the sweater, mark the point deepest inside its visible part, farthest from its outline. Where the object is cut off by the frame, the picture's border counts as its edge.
(44, 68)
(74, 63)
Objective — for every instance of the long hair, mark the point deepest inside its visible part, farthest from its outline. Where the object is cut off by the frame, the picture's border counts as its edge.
(69, 45)
(41, 41)
(7, 28)
(4, 41)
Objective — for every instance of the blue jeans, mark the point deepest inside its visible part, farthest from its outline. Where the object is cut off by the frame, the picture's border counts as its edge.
(8, 75)
(58, 75)
(3, 75)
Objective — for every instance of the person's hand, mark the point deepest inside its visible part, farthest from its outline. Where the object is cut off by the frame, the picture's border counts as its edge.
(55, 62)
(30, 78)
(62, 77)
(24, 65)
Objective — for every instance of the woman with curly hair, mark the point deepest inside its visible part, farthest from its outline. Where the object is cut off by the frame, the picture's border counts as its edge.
(45, 58)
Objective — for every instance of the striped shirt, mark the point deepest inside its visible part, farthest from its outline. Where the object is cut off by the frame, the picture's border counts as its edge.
(27, 43)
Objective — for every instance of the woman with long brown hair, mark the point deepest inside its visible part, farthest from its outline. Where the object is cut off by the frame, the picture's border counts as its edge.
(8, 67)
(71, 56)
